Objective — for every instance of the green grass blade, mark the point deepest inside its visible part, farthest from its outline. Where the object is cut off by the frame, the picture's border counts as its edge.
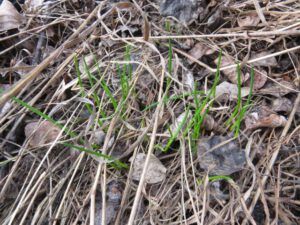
(44, 116)
(237, 124)
(239, 101)
(200, 113)
(176, 133)
(111, 160)
(70, 133)
(109, 94)
(81, 84)
(215, 178)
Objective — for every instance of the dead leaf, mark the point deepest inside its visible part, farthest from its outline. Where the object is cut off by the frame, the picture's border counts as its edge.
(187, 44)
(278, 89)
(41, 133)
(114, 197)
(227, 91)
(271, 61)
(260, 79)
(185, 11)
(33, 5)
(98, 137)
(200, 50)
(179, 120)
(264, 117)
(223, 160)
(10, 18)
(217, 192)
(248, 20)
(282, 105)
(216, 17)
(5, 108)
(156, 172)
(231, 73)
(208, 123)
(89, 60)
(188, 81)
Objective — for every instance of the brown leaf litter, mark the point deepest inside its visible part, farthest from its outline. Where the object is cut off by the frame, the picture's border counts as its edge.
(227, 91)
(264, 117)
(156, 171)
(250, 178)
(10, 18)
(231, 73)
(40, 133)
(218, 155)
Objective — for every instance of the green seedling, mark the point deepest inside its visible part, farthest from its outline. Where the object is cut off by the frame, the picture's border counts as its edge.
(82, 91)
(200, 112)
(170, 52)
(240, 110)
(109, 94)
(112, 161)
(215, 178)
(91, 80)
(177, 131)
(239, 101)
(175, 97)
(203, 109)
(236, 125)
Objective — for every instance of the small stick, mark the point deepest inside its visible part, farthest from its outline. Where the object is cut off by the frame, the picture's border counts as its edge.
(246, 35)
(39, 49)
(260, 12)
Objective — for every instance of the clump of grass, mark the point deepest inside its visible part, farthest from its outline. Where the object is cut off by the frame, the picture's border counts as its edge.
(240, 110)
(201, 110)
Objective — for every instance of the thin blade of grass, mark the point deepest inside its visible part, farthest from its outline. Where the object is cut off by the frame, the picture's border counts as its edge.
(68, 132)
(176, 133)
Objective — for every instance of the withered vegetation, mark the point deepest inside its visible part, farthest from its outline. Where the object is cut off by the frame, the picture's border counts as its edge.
(134, 112)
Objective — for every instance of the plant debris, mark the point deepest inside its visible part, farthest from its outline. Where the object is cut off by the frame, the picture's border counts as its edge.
(278, 89)
(10, 18)
(40, 133)
(231, 74)
(227, 91)
(119, 77)
(248, 20)
(260, 79)
(156, 172)
(282, 105)
(199, 50)
(114, 196)
(269, 61)
(223, 160)
(264, 117)
(184, 10)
